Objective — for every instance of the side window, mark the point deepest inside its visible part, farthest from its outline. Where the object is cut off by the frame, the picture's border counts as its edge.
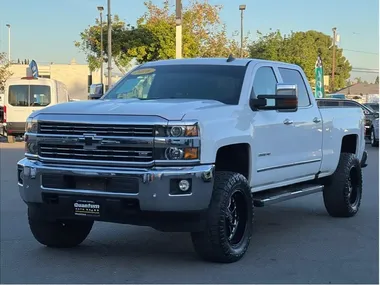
(264, 83)
(292, 76)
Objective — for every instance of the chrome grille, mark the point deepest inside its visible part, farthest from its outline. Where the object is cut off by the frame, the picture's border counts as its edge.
(100, 153)
(54, 128)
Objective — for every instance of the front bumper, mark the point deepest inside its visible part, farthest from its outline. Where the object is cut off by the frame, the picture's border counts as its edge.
(152, 189)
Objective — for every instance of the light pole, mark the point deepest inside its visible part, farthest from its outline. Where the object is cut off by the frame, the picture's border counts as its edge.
(9, 42)
(241, 8)
(100, 9)
(333, 61)
(178, 29)
(109, 44)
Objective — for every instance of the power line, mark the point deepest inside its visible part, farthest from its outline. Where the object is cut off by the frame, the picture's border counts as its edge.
(364, 71)
(360, 51)
(365, 68)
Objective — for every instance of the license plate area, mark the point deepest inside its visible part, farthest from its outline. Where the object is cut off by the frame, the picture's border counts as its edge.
(90, 183)
(87, 208)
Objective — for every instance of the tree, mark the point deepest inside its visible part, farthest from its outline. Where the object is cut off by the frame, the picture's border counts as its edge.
(203, 35)
(377, 80)
(5, 72)
(302, 48)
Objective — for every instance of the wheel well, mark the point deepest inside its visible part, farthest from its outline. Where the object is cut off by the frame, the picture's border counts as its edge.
(349, 144)
(234, 158)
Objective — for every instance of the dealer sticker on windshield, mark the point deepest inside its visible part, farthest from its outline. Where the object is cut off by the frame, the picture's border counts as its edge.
(86, 208)
(143, 71)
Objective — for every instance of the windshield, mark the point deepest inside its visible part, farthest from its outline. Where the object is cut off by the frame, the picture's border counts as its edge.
(208, 82)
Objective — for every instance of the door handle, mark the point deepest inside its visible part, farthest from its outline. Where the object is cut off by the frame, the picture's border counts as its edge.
(288, 122)
(316, 120)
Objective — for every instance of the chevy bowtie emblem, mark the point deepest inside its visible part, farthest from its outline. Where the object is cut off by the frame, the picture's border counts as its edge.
(90, 141)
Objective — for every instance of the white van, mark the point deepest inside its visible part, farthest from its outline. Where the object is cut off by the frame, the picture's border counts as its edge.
(22, 96)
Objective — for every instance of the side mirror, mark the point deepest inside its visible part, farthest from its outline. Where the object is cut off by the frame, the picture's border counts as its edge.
(96, 91)
(286, 99)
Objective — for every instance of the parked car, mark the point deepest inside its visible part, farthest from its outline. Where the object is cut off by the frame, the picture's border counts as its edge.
(375, 133)
(372, 106)
(201, 142)
(369, 113)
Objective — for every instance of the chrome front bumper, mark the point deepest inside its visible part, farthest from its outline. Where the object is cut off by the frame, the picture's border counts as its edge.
(155, 186)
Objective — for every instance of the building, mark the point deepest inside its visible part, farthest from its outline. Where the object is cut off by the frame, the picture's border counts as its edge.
(361, 92)
(74, 76)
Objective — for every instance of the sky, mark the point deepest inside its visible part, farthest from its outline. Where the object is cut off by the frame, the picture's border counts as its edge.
(45, 30)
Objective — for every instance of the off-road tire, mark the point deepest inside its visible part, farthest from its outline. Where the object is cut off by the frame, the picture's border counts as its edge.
(212, 244)
(58, 234)
(11, 139)
(374, 142)
(336, 193)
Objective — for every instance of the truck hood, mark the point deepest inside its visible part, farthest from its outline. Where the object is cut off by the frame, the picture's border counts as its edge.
(170, 109)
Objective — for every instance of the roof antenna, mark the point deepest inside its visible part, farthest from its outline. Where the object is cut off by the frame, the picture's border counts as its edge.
(230, 58)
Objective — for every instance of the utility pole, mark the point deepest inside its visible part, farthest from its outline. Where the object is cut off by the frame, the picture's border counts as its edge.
(333, 62)
(241, 8)
(178, 29)
(9, 43)
(100, 9)
(109, 44)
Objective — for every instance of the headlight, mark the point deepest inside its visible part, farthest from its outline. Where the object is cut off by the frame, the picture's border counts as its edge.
(31, 126)
(177, 131)
(176, 142)
(182, 131)
(177, 153)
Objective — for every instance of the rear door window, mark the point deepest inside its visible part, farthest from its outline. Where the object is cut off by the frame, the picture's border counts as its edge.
(29, 95)
(39, 95)
(19, 95)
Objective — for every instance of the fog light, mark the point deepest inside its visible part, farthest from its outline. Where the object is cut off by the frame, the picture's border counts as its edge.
(184, 185)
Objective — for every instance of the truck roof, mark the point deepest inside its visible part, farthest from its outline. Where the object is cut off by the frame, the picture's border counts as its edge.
(212, 61)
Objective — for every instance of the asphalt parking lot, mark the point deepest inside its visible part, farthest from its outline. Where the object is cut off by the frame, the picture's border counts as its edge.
(294, 242)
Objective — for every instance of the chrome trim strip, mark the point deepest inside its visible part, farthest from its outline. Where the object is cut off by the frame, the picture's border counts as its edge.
(87, 192)
(288, 165)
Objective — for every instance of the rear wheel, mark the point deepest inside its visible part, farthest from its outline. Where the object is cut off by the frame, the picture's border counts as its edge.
(374, 142)
(343, 190)
(229, 222)
(59, 234)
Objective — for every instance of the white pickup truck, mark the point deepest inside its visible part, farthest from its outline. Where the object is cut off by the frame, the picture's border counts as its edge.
(189, 145)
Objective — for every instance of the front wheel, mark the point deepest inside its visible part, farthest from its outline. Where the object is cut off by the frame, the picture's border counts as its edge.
(229, 221)
(59, 234)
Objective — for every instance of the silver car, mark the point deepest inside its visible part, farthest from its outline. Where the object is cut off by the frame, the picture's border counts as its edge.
(375, 133)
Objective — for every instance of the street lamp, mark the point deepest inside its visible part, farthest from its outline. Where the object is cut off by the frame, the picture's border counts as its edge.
(109, 44)
(100, 9)
(9, 42)
(241, 8)
(178, 29)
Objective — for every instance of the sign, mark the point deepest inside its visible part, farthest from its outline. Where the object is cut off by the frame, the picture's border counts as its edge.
(319, 82)
(34, 68)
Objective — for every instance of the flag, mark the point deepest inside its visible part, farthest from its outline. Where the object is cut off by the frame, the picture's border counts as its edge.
(319, 82)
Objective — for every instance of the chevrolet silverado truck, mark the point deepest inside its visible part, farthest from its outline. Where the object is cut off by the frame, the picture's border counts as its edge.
(189, 145)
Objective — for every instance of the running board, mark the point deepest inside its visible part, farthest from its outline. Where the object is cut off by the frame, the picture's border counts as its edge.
(268, 197)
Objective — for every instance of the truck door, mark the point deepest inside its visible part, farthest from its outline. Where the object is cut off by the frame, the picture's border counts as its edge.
(304, 127)
(287, 145)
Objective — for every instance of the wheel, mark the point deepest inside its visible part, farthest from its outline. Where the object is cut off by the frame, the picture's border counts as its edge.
(343, 191)
(374, 142)
(59, 234)
(11, 139)
(229, 220)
